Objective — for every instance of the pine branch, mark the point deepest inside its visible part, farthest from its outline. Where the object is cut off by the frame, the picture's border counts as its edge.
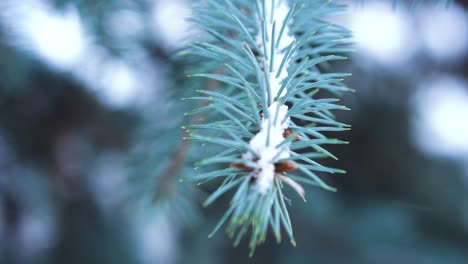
(264, 114)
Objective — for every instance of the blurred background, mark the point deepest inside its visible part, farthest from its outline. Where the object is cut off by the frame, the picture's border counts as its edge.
(91, 150)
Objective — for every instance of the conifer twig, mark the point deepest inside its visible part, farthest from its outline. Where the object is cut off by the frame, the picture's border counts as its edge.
(264, 112)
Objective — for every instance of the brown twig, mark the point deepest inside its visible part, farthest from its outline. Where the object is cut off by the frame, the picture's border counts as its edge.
(166, 179)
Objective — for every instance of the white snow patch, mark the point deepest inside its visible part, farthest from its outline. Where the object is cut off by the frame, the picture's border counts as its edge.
(280, 12)
(265, 143)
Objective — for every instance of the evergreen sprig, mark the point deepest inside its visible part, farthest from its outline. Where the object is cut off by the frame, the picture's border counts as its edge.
(268, 57)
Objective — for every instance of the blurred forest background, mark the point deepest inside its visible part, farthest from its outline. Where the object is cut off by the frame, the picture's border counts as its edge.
(91, 150)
